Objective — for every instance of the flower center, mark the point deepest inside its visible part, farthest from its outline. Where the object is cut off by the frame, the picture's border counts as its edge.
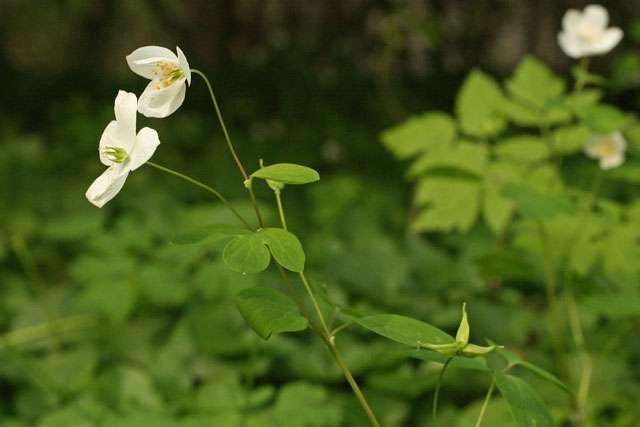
(116, 154)
(607, 149)
(589, 33)
(166, 74)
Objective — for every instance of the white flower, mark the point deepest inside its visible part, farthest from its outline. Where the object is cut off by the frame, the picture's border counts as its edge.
(121, 150)
(168, 74)
(608, 148)
(586, 33)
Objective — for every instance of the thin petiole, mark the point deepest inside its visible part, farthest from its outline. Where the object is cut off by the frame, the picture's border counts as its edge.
(486, 401)
(204, 187)
(436, 394)
(227, 138)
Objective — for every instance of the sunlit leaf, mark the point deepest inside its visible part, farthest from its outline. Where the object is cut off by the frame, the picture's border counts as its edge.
(287, 173)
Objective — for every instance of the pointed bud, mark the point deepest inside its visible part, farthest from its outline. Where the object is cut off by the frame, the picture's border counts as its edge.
(472, 350)
(463, 330)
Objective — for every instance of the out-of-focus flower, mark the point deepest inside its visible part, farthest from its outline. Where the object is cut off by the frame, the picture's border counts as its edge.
(121, 150)
(169, 75)
(608, 148)
(585, 33)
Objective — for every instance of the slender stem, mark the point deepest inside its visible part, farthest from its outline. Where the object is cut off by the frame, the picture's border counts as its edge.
(241, 168)
(204, 187)
(280, 210)
(584, 383)
(486, 401)
(221, 120)
(436, 394)
(36, 332)
(550, 288)
(584, 69)
(354, 385)
(327, 337)
(316, 306)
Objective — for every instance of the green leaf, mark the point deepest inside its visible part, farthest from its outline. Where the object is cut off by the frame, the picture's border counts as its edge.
(449, 204)
(514, 360)
(534, 204)
(534, 84)
(246, 254)
(251, 253)
(302, 404)
(603, 119)
(613, 306)
(287, 173)
(464, 156)
(570, 139)
(404, 330)
(285, 247)
(497, 209)
(526, 407)
(479, 106)
(525, 149)
(208, 234)
(419, 133)
(269, 311)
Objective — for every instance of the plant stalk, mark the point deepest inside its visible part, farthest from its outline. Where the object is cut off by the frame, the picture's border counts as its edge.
(243, 172)
(204, 187)
(486, 401)
(436, 394)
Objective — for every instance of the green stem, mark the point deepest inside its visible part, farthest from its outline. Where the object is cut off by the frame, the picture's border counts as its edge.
(486, 401)
(327, 337)
(436, 394)
(550, 288)
(227, 138)
(204, 187)
(280, 210)
(316, 306)
(33, 333)
(584, 68)
(352, 382)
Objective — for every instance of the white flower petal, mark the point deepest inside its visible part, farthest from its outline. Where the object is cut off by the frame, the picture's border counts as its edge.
(107, 185)
(161, 102)
(125, 109)
(571, 20)
(570, 45)
(596, 16)
(612, 161)
(112, 137)
(142, 61)
(619, 141)
(146, 143)
(610, 38)
(184, 65)
(591, 148)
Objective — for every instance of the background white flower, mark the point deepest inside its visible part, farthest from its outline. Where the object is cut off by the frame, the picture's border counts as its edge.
(121, 150)
(169, 75)
(586, 33)
(608, 148)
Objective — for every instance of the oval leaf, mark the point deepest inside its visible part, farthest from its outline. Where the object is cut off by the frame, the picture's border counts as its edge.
(287, 173)
(526, 407)
(246, 254)
(515, 360)
(269, 311)
(285, 247)
(404, 330)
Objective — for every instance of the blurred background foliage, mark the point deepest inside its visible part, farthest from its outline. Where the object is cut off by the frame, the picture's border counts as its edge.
(106, 321)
